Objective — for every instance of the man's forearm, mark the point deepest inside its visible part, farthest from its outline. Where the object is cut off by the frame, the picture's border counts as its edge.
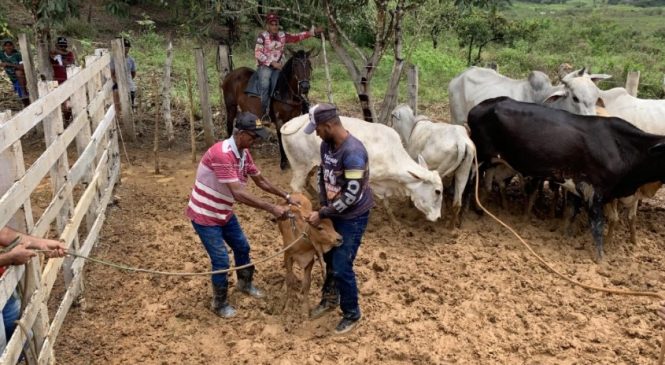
(6, 259)
(267, 186)
(7, 235)
(248, 199)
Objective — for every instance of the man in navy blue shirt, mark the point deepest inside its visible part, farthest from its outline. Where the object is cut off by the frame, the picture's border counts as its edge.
(346, 199)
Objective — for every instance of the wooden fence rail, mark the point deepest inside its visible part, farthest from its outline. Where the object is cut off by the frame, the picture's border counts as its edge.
(92, 175)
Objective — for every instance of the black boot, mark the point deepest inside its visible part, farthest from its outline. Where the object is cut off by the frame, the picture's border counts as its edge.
(245, 283)
(329, 299)
(220, 304)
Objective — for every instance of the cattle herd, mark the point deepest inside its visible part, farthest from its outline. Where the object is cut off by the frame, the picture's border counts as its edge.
(604, 148)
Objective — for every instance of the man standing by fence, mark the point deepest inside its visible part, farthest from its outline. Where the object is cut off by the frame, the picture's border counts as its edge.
(18, 251)
(12, 62)
(220, 181)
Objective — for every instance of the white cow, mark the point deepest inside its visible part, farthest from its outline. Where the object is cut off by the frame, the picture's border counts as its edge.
(577, 94)
(647, 115)
(445, 147)
(392, 171)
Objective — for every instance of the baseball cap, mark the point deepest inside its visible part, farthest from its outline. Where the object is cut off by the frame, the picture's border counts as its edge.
(272, 17)
(320, 113)
(7, 40)
(62, 41)
(127, 43)
(249, 122)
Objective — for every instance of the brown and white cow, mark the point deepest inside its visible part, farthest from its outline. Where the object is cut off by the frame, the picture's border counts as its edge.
(312, 243)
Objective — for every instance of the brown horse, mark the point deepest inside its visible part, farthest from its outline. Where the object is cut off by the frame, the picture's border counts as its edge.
(288, 101)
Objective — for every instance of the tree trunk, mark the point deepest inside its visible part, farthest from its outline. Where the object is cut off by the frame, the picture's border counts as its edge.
(166, 94)
(384, 28)
(390, 99)
(43, 59)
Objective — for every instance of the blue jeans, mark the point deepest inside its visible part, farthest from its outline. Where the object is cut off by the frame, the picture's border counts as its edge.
(214, 237)
(339, 262)
(10, 314)
(265, 75)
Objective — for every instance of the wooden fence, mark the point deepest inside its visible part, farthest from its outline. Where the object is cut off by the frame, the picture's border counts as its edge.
(80, 194)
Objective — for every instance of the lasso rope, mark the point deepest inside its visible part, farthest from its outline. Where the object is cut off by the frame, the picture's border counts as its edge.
(559, 274)
(180, 273)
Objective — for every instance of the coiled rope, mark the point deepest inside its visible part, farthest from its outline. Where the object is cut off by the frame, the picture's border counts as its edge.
(558, 273)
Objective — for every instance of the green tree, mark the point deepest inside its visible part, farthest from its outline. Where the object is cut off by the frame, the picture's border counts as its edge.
(481, 27)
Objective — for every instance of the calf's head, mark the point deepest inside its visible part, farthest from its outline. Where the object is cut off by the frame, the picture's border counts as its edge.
(426, 191)
(324, 234)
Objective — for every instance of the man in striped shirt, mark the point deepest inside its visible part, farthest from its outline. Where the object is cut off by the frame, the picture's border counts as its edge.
(220, 181)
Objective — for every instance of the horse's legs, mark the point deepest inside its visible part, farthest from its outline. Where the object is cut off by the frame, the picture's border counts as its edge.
(231, 112)
(283, 160)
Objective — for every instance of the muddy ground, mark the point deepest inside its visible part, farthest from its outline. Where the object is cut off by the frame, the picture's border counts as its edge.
(429, 295)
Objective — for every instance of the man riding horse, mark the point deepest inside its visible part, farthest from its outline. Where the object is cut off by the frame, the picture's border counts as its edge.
(268, 52)
(289, 99)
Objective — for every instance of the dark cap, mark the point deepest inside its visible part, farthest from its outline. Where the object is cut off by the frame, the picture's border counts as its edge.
(127, 43)
(62, 41)
(249, 122)
(7, 40)
(320, 113)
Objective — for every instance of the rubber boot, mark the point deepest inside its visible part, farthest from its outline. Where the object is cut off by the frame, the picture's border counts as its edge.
(245, 285)
(220, 304)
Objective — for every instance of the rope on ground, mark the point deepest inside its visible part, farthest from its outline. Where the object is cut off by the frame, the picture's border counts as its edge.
(180, 273)
(559, 274)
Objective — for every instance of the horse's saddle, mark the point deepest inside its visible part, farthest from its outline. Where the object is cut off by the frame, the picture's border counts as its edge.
(278, 86)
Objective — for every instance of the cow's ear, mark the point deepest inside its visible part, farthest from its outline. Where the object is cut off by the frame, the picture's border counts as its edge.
(599, 77)
(415, 176)
(556, 95)
(421, 161)
(600, 102)
(658, 149)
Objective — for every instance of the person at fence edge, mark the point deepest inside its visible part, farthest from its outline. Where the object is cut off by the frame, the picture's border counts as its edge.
(221, 180)
(346, 198)
(12, 61)
(269, 50)
(131, 74)
(19, 255)
(61, 58)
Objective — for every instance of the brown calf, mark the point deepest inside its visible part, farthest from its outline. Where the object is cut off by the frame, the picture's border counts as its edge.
(311, 246)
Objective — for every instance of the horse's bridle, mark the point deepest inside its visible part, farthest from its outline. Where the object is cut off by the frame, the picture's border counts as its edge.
(302, 84)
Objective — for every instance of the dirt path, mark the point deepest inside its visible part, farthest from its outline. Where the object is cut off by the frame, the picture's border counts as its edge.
(428, 296)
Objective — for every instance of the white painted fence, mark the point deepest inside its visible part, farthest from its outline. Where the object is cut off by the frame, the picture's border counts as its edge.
(92, 176)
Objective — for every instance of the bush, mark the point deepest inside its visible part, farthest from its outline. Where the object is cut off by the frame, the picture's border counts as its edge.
(78, 28)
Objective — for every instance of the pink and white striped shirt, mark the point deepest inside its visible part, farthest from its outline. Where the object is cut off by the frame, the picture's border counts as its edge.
(211, 201)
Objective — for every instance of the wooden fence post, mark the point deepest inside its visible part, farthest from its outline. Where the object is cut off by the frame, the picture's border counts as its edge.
(28, 67)
(192, 135)
(202, 79)
(325, 64)
(53, 127)
(125, 108)
(412, 81)
(78, 103)
(166, 94)
(223, 67)
(632, 81)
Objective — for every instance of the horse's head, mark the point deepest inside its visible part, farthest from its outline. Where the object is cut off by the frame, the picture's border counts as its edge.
(298, 70)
